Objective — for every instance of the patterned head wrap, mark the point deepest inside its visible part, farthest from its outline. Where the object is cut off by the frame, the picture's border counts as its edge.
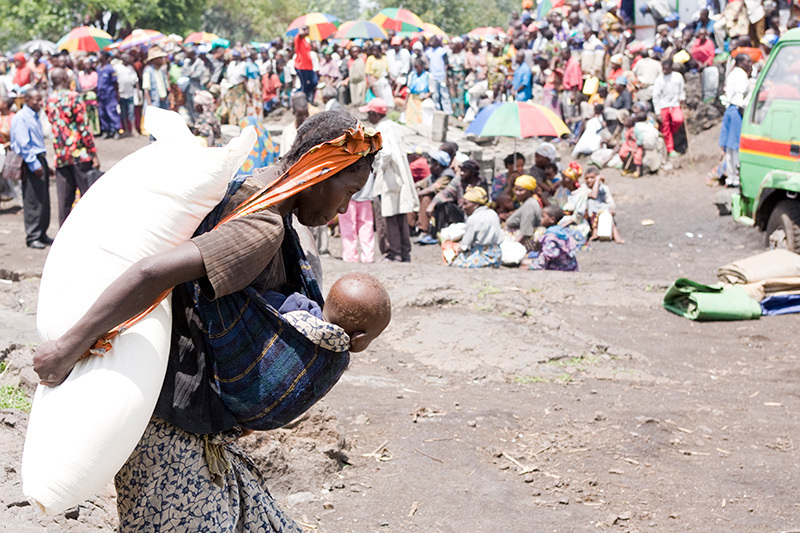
(574, 171)
(526, 181)
(547, 150)
(476, 195)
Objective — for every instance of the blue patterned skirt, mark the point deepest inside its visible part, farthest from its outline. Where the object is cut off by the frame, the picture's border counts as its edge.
(178, 481)
(479, 257)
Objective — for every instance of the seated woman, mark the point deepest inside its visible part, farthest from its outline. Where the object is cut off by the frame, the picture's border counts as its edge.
(504, 181)
(574, 219)
(446, 208)
(558, 249)
(480, 245)
(527, 218)
(206, 125)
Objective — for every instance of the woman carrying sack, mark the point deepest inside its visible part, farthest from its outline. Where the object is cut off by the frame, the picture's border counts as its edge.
(217, 487)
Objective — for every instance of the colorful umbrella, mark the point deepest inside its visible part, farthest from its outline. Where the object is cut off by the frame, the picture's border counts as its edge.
(517, 119)
(140, 38)
(199, 37)
(85, 38)
(486, 33)
(397, 19)
(360, 29)
(320, 25)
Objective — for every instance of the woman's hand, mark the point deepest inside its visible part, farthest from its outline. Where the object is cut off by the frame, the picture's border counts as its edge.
(54, 360)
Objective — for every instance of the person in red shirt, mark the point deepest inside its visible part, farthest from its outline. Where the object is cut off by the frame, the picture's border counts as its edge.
(270, 85)
(22, 77)
(303, 64)
(703, 49)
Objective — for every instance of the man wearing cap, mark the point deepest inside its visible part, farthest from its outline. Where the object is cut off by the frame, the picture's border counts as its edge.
(126, 80)
(73, 143)
(669, 91)
(441, 176)
(107, 97)
(154, 79)
(399, 59)
(27, 140)
(393, 185)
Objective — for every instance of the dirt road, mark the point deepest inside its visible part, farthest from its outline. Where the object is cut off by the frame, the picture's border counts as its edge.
(522, 401)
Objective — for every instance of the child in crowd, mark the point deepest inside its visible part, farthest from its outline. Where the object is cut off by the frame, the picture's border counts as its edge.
(631, 151)
(504, 205)
(600, 200)
(356, 312)
(557, 248)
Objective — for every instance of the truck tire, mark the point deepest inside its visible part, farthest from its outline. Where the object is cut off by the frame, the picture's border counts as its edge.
(783, 227)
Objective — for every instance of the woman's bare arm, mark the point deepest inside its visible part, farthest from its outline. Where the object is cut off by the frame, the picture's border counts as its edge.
(130, 294)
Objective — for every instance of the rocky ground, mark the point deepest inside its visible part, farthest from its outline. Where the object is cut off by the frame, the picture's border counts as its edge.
(509, 400)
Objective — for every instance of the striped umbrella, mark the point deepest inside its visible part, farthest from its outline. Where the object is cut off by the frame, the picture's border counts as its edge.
(360, 29)
(486, 32)
(140, 38)
(199, 37)
(320, 25)
(429, 30)
(519, 120)
(398, 19)
(84, 38)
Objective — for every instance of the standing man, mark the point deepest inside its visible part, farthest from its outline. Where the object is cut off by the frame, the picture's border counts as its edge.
(303, 64)
(127, 80)
(154, 79)
(437, 61)
(737, 94)
(669, 92)
(27, 140)
(523, 79)
(107, 97)
(72, 141)
(393, 186)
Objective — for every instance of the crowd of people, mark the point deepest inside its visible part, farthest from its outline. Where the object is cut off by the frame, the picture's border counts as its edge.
(622, 99)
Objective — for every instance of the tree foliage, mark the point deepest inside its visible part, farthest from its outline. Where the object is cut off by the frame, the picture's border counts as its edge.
(457, 17)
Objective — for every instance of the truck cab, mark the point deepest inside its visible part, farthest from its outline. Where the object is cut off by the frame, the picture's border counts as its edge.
(769, 149)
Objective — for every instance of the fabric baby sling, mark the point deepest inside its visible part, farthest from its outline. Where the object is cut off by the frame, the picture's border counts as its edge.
(267, 372)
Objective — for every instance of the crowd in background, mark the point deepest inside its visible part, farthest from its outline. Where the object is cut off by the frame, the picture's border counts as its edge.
(623, 100)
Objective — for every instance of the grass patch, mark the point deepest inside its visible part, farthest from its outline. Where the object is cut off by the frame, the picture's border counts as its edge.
(14, 398)
(3, 366)
(484, 307)
(489, 290)
(565, 378)
(580, 362)
(525, 380)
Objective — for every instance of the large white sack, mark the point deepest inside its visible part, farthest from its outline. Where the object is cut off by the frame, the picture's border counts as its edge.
(82, 432)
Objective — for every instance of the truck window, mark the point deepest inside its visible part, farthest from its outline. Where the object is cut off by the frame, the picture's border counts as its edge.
(781, 82)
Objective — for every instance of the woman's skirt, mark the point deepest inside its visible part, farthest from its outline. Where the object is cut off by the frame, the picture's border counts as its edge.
(179, 481)
(480, 257)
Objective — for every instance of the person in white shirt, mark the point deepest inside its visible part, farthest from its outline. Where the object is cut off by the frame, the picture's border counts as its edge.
(737, 93)
(127, 79)
(669, 91)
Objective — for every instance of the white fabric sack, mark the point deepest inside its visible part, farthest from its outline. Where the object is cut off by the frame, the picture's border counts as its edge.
(81, 432)
(512, 253)
(453, 232)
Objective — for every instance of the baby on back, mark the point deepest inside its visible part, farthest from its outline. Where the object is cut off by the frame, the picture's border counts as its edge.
(356, 312)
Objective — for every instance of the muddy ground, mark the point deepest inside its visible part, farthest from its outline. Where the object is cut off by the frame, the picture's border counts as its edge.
(509, 400)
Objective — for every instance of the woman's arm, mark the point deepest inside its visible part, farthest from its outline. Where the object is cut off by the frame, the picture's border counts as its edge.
(130, 294)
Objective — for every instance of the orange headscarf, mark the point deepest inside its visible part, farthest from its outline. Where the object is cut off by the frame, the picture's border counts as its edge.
(315, 166)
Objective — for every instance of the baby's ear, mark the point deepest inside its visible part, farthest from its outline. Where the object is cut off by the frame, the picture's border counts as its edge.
(359, 341)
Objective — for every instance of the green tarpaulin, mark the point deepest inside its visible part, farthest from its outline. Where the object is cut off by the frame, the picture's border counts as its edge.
(696, 301)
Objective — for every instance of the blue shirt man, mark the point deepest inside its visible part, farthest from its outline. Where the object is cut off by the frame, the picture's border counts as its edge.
(523, 77)
(110, 122)
(27, 140)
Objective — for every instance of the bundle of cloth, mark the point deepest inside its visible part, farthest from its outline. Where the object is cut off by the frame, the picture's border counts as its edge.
(771, 278)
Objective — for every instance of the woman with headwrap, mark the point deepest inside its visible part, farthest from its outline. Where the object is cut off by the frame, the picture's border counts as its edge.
(186, 473)
(527, 218)
(206, 124)
(480, 245)
(545, 155)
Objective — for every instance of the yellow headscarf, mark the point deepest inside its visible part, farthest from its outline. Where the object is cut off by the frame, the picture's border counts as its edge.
(526, 181)
(476, 195)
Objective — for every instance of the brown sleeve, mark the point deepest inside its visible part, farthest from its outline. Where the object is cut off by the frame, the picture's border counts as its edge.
(235, 253)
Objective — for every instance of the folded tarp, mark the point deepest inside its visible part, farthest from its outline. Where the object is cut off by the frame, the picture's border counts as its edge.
(767, 265)
(781, 305)
(773, 287)
(696, 301)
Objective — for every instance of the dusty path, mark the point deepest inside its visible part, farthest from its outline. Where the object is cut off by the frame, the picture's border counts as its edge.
(523, 401)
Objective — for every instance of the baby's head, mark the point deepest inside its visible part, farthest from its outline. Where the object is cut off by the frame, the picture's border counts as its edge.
(359, 304)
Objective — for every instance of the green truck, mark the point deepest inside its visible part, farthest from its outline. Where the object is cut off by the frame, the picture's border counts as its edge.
(769, 149)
